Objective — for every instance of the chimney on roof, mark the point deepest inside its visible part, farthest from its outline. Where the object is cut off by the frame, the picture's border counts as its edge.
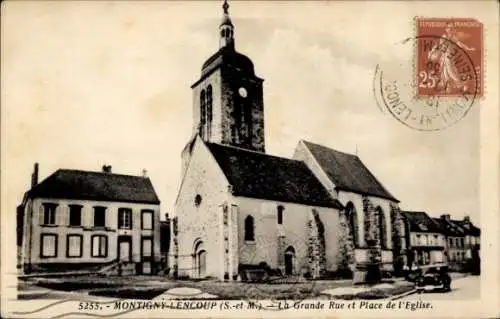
(34, 176)
(446, 217)
(467, 218)
(106, 168)
(144, 173)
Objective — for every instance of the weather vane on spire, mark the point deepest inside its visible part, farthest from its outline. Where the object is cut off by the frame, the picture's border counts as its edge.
(226, 28)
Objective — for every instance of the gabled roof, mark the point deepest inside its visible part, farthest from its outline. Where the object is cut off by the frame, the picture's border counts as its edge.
(468, 227)
(421, 222)
(76, 184)
(258, 175)
(449, 228)
(347, 171)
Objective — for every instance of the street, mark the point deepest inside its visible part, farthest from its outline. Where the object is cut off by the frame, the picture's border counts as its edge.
(465, 288)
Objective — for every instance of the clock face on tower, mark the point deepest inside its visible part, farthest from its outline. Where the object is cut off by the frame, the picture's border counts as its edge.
(243, 92)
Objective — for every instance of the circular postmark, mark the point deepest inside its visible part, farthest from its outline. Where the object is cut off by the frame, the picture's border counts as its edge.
(434, 90)
(286, 282)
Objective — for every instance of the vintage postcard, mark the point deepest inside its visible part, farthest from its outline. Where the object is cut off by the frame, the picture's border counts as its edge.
(231, 159)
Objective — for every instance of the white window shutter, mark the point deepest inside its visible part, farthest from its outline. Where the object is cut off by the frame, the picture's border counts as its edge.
(95, 246)
(146, 247)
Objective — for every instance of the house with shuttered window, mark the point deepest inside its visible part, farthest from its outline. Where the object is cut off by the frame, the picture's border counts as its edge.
(81, 220)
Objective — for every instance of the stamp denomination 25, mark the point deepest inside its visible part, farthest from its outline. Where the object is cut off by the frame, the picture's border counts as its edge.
(436, 87)
(449, 57)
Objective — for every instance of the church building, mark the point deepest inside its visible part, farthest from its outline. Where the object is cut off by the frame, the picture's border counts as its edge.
(239, 208)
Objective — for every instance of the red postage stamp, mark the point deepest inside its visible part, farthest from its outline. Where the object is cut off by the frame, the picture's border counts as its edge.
(449, 57)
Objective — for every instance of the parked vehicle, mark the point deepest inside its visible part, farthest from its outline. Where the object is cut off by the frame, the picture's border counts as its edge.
(434, 277)
(412, 273)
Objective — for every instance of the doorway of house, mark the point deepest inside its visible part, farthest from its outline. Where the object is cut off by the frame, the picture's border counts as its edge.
(146, 255)
(289, 258)
(125, 248)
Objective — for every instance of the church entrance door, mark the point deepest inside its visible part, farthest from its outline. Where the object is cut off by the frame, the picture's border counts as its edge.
(202, 262)
(289, 256)
(199, 269)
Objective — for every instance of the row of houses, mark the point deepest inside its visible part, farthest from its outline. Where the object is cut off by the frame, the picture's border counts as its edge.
(77, 220)
(435, 240)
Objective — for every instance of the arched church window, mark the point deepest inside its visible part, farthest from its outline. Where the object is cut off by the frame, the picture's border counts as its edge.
(382, 228)
(352, 221)
(223, 33)
(280, 214)
(209, 109)
(203, 112)
(249, 229)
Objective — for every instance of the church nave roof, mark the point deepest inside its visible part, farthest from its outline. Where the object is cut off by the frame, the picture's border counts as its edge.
(258, 175)
(347, 171)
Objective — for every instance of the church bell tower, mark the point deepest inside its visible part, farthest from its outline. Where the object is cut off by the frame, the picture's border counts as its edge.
(228, 106)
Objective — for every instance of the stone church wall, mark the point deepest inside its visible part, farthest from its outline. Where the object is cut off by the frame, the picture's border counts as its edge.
(295, 230)
(385, 205)
(303, 154)
(357, 201)
(200, 221)
(331, 224)
(231, 82)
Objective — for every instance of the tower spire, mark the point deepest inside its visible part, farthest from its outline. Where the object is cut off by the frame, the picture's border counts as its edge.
(226, 28)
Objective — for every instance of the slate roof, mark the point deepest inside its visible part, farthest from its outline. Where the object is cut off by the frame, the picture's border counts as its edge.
(259, 175)
(99, 186)
(227, 55)
(468, 227)
(421, 222)
(449, 228)
(347, 171)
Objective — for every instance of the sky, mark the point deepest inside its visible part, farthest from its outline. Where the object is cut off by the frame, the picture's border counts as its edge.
(93, 83)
